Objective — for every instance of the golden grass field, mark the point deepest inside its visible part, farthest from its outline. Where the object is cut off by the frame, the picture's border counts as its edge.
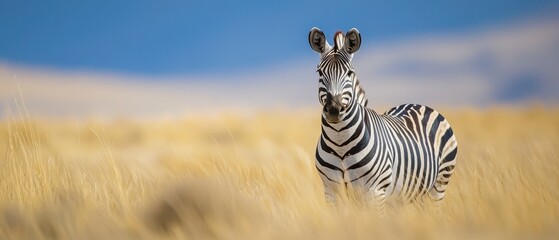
(234, 176)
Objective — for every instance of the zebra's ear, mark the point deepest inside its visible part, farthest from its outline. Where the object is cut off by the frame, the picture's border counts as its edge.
(353, 41)
(317, 40)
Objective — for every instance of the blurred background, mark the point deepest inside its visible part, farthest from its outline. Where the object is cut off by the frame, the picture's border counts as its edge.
(213, 117)
(175, 58)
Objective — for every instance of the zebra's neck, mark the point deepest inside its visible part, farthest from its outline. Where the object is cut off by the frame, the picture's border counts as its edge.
(351, 135)
(360, 97)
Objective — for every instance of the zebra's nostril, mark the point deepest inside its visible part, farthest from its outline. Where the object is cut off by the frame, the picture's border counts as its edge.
(326, 109)
(333, 110)
(330, 109)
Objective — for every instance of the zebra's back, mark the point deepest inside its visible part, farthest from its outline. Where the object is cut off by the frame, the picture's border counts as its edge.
(423, 149)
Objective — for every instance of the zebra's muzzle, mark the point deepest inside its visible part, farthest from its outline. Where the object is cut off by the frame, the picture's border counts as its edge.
(332, 111)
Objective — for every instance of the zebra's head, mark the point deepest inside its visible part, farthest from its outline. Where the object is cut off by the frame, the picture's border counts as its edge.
(336, 90)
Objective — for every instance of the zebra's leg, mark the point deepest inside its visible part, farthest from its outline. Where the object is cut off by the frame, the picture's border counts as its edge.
(446, 169)
(376, 198)
(330, 193)
(438, 189)
(381, 187)
(379, 199)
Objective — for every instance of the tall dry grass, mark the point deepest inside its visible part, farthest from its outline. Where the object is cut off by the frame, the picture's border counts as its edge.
(234, 176)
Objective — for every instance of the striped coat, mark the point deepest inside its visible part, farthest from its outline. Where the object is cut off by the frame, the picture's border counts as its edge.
(404, 153)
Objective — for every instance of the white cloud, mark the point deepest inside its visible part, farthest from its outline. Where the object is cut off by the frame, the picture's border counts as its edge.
(479, 67)
(511, 63)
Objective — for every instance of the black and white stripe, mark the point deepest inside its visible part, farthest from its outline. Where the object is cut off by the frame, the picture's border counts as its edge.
(408, 151)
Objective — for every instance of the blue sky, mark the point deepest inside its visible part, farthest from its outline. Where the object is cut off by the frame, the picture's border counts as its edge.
(157, 38)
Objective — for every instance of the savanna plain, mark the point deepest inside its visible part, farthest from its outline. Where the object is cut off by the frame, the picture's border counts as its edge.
(252, 176)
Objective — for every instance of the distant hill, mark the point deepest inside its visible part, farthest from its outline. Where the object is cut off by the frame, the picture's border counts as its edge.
(510, 64)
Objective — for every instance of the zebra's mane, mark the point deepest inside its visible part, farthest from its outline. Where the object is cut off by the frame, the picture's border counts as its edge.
(339, 40)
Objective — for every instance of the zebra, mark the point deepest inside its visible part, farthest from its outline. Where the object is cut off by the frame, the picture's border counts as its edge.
(405, 153)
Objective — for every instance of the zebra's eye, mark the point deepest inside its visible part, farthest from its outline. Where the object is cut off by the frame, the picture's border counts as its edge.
(319, 72)
(350, 72)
